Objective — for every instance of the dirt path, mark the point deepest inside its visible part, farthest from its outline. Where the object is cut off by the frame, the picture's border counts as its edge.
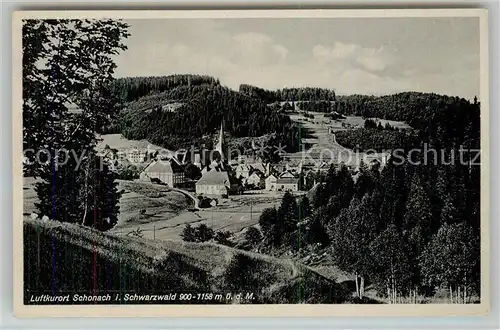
(322, 144)
(190, 195)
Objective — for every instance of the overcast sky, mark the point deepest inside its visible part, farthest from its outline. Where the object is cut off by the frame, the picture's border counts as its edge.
(351, 55)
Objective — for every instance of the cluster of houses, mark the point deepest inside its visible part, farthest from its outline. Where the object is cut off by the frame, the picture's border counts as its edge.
(134, 156)
(222, 178)
(270, 178)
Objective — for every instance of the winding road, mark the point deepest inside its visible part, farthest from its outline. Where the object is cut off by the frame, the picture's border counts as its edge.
(190, 195)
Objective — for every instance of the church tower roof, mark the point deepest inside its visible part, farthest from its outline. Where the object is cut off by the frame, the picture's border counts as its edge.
(219, 147)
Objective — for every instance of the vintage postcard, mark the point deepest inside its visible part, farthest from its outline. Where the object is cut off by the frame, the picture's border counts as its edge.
(251, 163)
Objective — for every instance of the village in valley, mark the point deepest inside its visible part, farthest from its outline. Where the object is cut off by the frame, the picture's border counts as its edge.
(227, 190)
(260, 181)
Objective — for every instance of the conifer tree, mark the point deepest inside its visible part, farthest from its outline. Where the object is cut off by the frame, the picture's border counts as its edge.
(351, 234)
(391, 265)
(452, 260)
(418, 216)
(61, 66)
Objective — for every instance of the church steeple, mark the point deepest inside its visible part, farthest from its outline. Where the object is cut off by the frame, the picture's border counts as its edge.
(219, 147)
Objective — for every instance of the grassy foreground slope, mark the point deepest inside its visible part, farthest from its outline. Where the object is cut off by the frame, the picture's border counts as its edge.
(67, 258)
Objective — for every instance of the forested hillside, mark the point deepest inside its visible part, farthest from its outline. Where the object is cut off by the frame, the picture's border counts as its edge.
(289, 94)
(179, 110)
(416, 109)
(132, 88)
(200, 112)
(440, 121)
(412, 228)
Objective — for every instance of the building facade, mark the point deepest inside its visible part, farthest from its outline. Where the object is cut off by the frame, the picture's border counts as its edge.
(213, 183)
(271, 182)
(137, 156)
(256, 180)
(166, 171)
(242, 171)
(287, 184)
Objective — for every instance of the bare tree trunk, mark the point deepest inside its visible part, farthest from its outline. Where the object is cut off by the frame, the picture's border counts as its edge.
(394, 291)
(451, 296)
(465, 289)
(362, 287)
(389, 294)
(357, 285)
(85, 199)
(458, 295)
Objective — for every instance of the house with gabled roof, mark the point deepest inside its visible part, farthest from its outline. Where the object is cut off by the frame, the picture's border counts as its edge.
(258, 167)
(242, 171)
(287, 181)
(271, 182)
(214, 183)
(287, 184)
(256, 179)
(166, 171)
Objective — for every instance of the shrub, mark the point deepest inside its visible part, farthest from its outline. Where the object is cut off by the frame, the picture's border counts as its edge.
(188, 234)
(204, 202)
(222, 237)
(253, 236)
(203, 233)
(240, 274)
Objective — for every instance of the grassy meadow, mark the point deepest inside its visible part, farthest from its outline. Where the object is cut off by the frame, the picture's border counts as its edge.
(67, 258)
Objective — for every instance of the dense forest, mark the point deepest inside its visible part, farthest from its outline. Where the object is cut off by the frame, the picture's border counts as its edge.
(289, 94)
(363, 139)
(199, 112)
(439, 121)
(179, 110)
(412, 228)
(317, 106)
(132, 88)
(416, 109)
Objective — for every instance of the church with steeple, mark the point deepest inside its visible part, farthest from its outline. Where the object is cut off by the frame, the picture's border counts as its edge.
(215, 179)
(219, 147)
(215, 158)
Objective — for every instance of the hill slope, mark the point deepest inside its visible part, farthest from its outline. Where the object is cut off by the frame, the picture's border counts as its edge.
(88, 261)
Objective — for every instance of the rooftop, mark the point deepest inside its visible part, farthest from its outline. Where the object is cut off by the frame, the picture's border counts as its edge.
(287, 181)
(214, 178)
(164, 166)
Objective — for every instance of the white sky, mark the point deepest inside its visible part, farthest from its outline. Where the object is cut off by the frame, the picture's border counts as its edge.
(351, 55)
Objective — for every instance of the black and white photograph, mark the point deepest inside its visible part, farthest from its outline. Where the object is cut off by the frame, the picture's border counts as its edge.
(315, 158)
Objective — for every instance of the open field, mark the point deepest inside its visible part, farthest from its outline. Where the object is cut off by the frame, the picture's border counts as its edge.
(359, 122)
(168, 211)
(119, 142)
(88, 261)
(234, 215)
(159, 201)
(322, 146)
